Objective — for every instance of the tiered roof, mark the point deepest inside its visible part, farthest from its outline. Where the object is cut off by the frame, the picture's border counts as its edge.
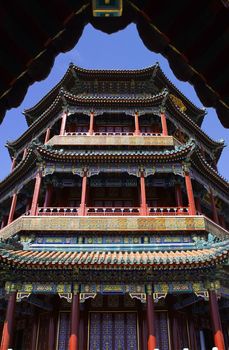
(184, 259)
(48, 110)
(51, 105)
(38, 152)
(75, 73)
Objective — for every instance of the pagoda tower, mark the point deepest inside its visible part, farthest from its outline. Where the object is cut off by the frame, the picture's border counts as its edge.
(114, 220)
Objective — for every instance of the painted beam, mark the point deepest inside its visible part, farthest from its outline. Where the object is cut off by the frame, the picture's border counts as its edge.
(104, 140)
(113, 223)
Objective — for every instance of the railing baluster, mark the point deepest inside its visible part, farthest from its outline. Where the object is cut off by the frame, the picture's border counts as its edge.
(111, 211)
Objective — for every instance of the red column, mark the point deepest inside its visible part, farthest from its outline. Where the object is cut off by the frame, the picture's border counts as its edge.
(12, 208)
(74, 330)
(7, 332)
(91, 126)
(47, 134)
(143, 195)
(83, 194)
(13, 164)
(51, 336)
(36, 194)
(164, 124)
(214, 210)
(25, 153)
(63, 123)
(178, 194)
(191, 201)
(151, 321)
(48, 196)
(216, 323)
(136, 123)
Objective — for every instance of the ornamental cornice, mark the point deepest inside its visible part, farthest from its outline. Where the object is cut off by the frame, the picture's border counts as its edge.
(113, 223)
(95, 169)
(91, 289)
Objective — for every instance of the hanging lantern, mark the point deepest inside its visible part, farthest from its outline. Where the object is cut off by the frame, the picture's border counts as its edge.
(107, 8)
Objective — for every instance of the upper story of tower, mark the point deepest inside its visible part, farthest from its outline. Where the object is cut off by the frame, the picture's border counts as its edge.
(114, 97)
(115, 143)
(123, 84)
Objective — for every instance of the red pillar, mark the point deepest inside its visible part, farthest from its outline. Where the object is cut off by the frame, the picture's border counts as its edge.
(63, 123)
(51, 336)
(74, 330)
(214, 210)
(25, 153)
(36, 194)
(47, 134)
(91, 126)
(12, 208)
(151, 322)
(83, 194)
(143, 195)
(164, 124)
(13, 164)
(48, 196)
(191, 201)
(7, 332)
(216, 323)
(136, 123)
(178, 194)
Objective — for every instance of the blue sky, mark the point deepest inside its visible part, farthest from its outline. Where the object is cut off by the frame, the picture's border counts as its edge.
(96, 50)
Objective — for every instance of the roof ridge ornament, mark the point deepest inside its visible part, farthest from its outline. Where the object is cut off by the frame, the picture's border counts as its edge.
(178, 102)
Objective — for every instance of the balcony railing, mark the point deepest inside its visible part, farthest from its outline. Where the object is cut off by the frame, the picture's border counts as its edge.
(108, 133)
(111, 211)
(113, 133)
(150, 134)
(168, 211)
(75, 133)
(58, 211)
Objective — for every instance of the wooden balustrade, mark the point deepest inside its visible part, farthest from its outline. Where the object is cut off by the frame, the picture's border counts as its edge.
(113, 133)
(58, 211)
(76, 133)
(110, 211)
(168, 211)
(150, 134)
(109, 133)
